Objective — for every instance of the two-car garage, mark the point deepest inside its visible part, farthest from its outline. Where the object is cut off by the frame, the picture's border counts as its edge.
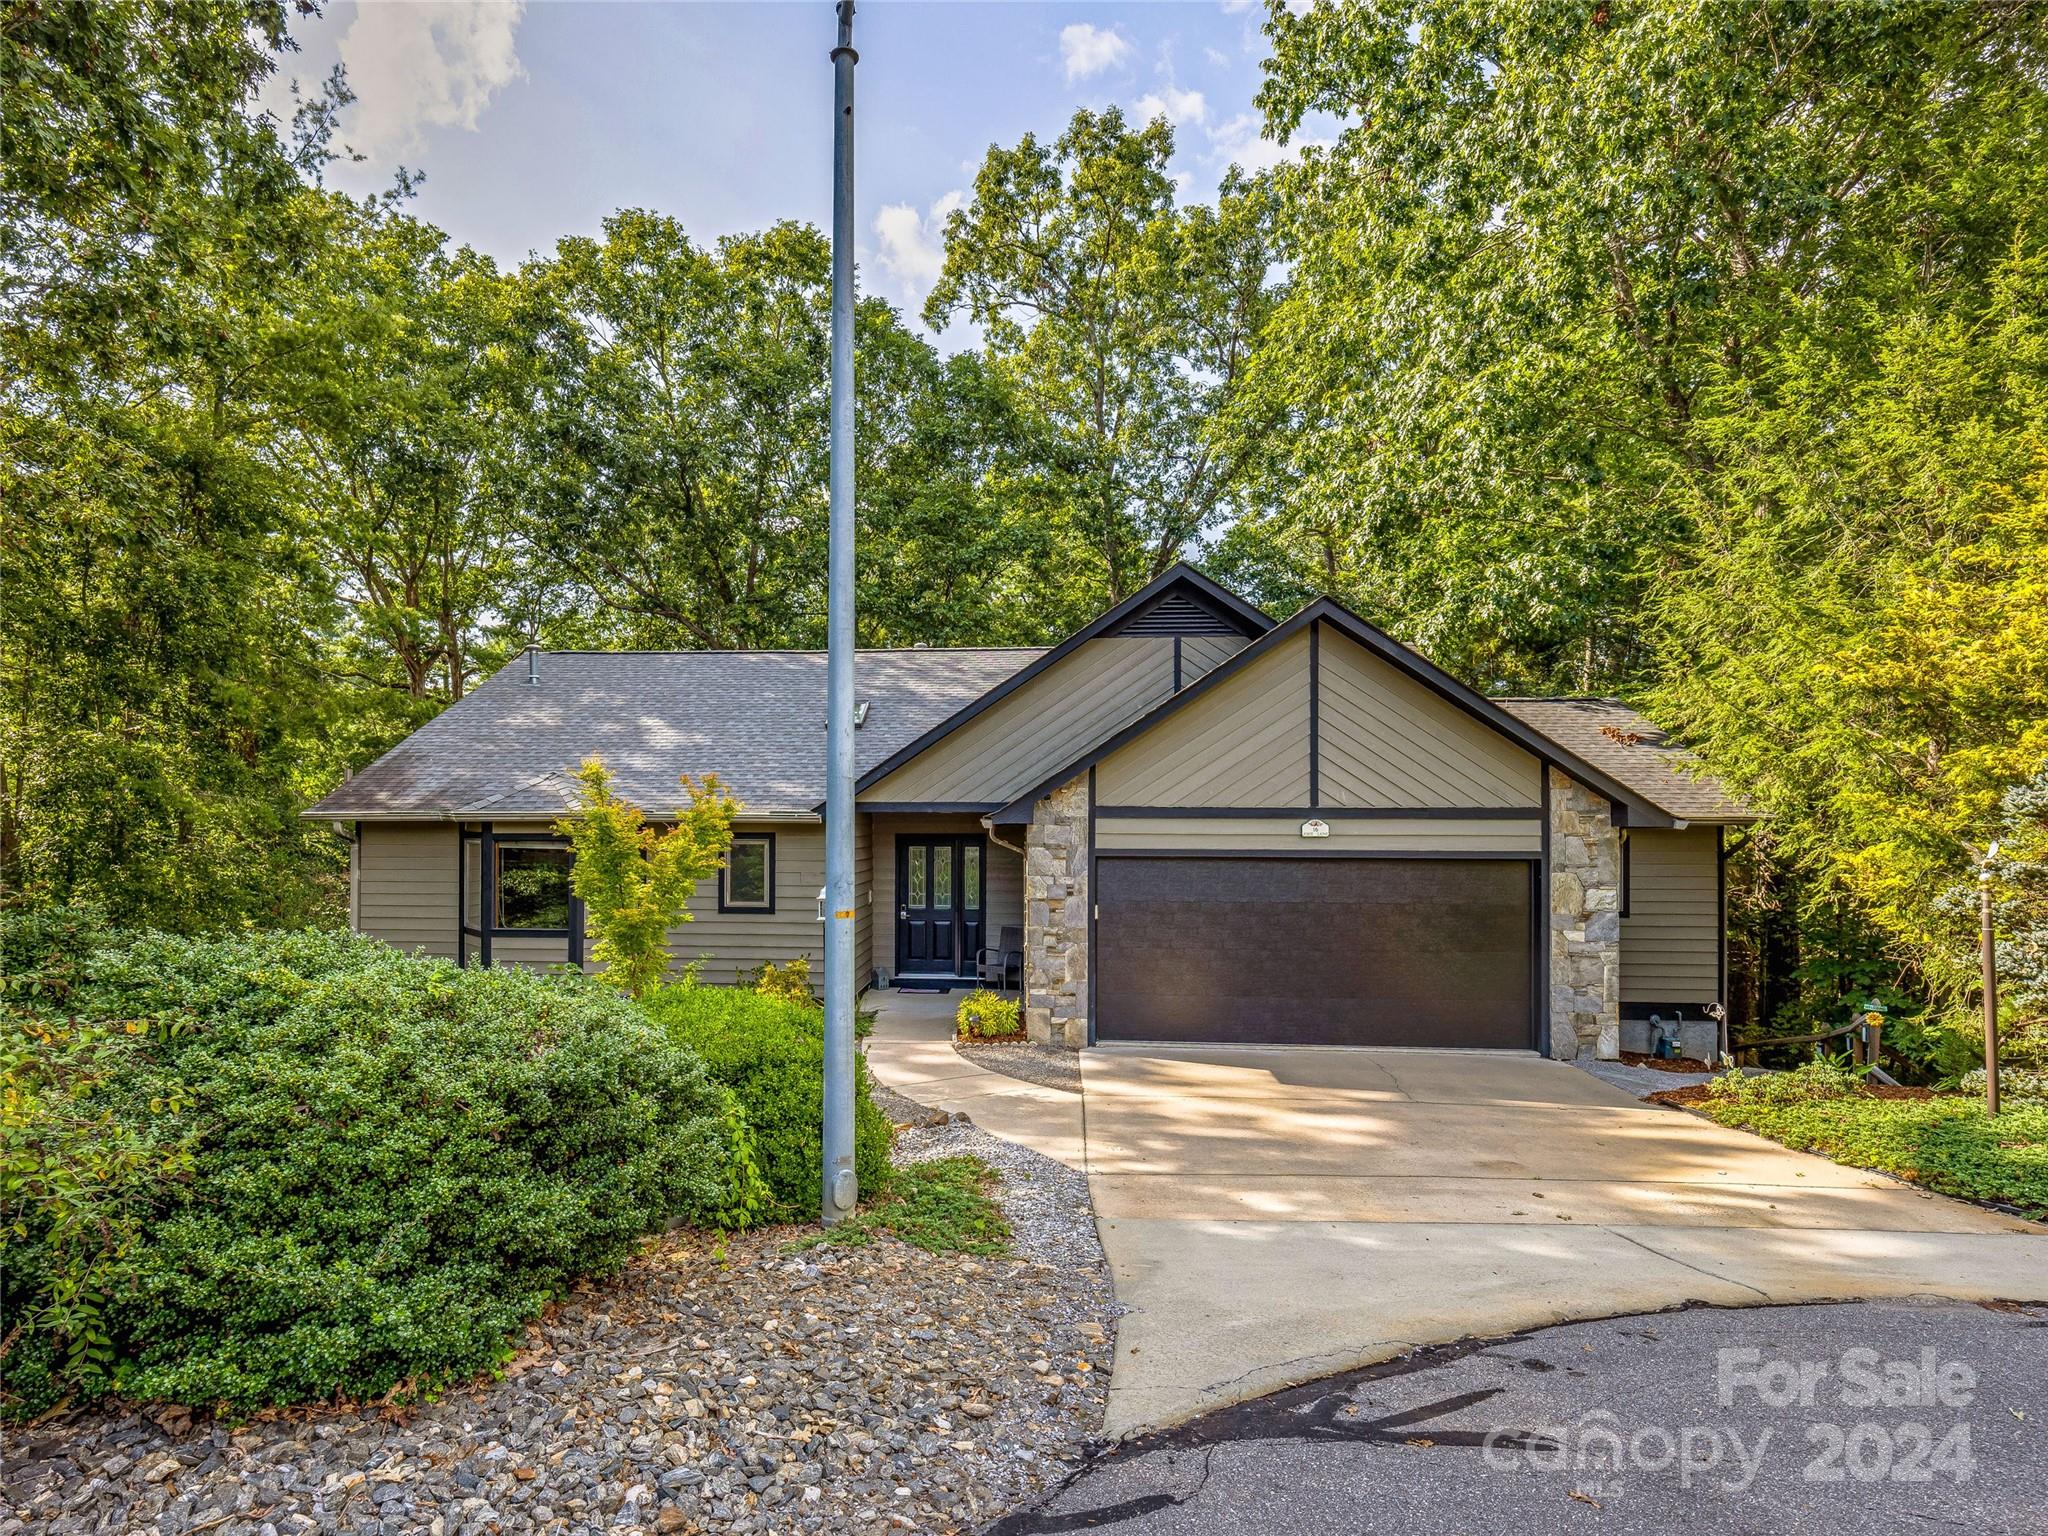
(1358, 951)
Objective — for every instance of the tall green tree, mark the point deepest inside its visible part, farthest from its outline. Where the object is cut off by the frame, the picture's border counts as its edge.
(157, 650)
(1553, 243)
(1123, 324)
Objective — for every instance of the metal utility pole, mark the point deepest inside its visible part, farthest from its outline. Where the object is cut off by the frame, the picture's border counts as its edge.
(841, 1186)
(1989, 958)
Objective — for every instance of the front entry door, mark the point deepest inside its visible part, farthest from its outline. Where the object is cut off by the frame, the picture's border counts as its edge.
(940, 895)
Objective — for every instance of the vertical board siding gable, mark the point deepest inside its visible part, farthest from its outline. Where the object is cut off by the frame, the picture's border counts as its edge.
(1386, 740)
(1244, 742)
(1092, 693)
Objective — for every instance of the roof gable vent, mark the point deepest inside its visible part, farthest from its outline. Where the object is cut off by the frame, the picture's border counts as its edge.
(1179, 611)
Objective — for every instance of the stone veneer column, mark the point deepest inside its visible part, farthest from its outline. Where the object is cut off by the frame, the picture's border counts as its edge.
(1585, 922)
(1056, 898)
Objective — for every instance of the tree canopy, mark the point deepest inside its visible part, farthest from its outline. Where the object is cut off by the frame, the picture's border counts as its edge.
(1694, 355)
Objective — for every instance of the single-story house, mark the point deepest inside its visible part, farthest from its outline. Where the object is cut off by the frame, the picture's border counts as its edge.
(1208, 826)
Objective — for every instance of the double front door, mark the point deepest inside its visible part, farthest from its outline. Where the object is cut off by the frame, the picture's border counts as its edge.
(941, 893)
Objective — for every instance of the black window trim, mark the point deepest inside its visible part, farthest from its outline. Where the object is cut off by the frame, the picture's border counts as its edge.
(1626, 882)
(525, 840)
(750, 908)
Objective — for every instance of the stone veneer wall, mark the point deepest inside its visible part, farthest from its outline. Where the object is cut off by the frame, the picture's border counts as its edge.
(1056, 898)
(1585, 922)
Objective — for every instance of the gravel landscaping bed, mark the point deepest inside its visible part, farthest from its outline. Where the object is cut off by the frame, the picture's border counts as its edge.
(863, 1389)
(1046, 1065)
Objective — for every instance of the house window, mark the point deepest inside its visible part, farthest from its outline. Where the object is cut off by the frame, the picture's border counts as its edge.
(533, 886)
(747, 883)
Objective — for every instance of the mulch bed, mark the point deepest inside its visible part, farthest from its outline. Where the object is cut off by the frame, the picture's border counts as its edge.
(743, 1387)
(1664, 1064)
(1698, 1093)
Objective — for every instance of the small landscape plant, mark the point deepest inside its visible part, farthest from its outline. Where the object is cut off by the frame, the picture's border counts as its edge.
(942, 1205)
(791, 981)
(635, 882)
(986, 1015)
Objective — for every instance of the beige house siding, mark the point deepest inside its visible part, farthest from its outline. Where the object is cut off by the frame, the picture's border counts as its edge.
(1273, 834)
(404, 876)
(863, 902)
(731, 942)
(1003, 877)
(1670, 940)
(1085, 696)
(1202, 654)
(1387, 740)
(1244, 742)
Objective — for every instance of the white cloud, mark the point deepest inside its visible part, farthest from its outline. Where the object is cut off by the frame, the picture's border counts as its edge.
(1237, 142)
(420, 64)
(913, 245)
(1088, 50)
(1237, 5)
(1217, 58)
(1178, 107)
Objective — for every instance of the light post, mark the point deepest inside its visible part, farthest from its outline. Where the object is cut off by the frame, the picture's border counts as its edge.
(840, 1184)
(1989, 958)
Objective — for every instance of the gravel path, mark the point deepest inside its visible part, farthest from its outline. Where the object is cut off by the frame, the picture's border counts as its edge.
(831, 1389)
(1046, 1065)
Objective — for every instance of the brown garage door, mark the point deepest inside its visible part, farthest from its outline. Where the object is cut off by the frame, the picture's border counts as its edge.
(1429, 952)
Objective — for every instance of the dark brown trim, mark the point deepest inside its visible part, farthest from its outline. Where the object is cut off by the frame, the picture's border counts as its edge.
(1255, 623)
(1500, 856)
(1543, 899)
(1094, 897)
(1315, 715)
(461, 914)
(487, 896)
(928, 807)
(1327, 812)
(1176, 663)
(1622, 836)
(1328, 610)
(1721, 922)
(772, 870)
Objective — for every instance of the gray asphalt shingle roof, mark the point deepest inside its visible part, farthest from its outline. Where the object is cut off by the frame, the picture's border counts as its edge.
(1615, 739)
(755, 718)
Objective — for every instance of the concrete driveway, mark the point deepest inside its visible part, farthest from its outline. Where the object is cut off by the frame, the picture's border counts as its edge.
(1274, 1216)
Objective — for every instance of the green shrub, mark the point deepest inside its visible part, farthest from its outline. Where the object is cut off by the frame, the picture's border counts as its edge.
(771, 1053)
(386, 1167)
(2015, 1085)
(1811, 1083)
(790, 982)
(986, 1015)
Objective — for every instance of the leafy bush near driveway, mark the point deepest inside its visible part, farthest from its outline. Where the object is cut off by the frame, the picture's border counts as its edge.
(770, 1052)
(986, 1015)
(358, 1173)
(1945, 1142)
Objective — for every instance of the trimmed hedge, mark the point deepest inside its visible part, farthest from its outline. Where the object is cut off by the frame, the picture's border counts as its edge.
(364, 1172)
(771, 1053)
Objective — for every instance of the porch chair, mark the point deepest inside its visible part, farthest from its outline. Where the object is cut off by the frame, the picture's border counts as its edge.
(994, 965)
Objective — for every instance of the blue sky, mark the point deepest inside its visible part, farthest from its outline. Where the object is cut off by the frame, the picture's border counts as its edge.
(535, 120)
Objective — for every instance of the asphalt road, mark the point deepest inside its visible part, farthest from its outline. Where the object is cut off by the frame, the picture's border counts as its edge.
(1839, 1419)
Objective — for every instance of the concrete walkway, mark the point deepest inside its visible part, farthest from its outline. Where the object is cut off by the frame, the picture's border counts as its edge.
(911, 1051)
(1273, 1216)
